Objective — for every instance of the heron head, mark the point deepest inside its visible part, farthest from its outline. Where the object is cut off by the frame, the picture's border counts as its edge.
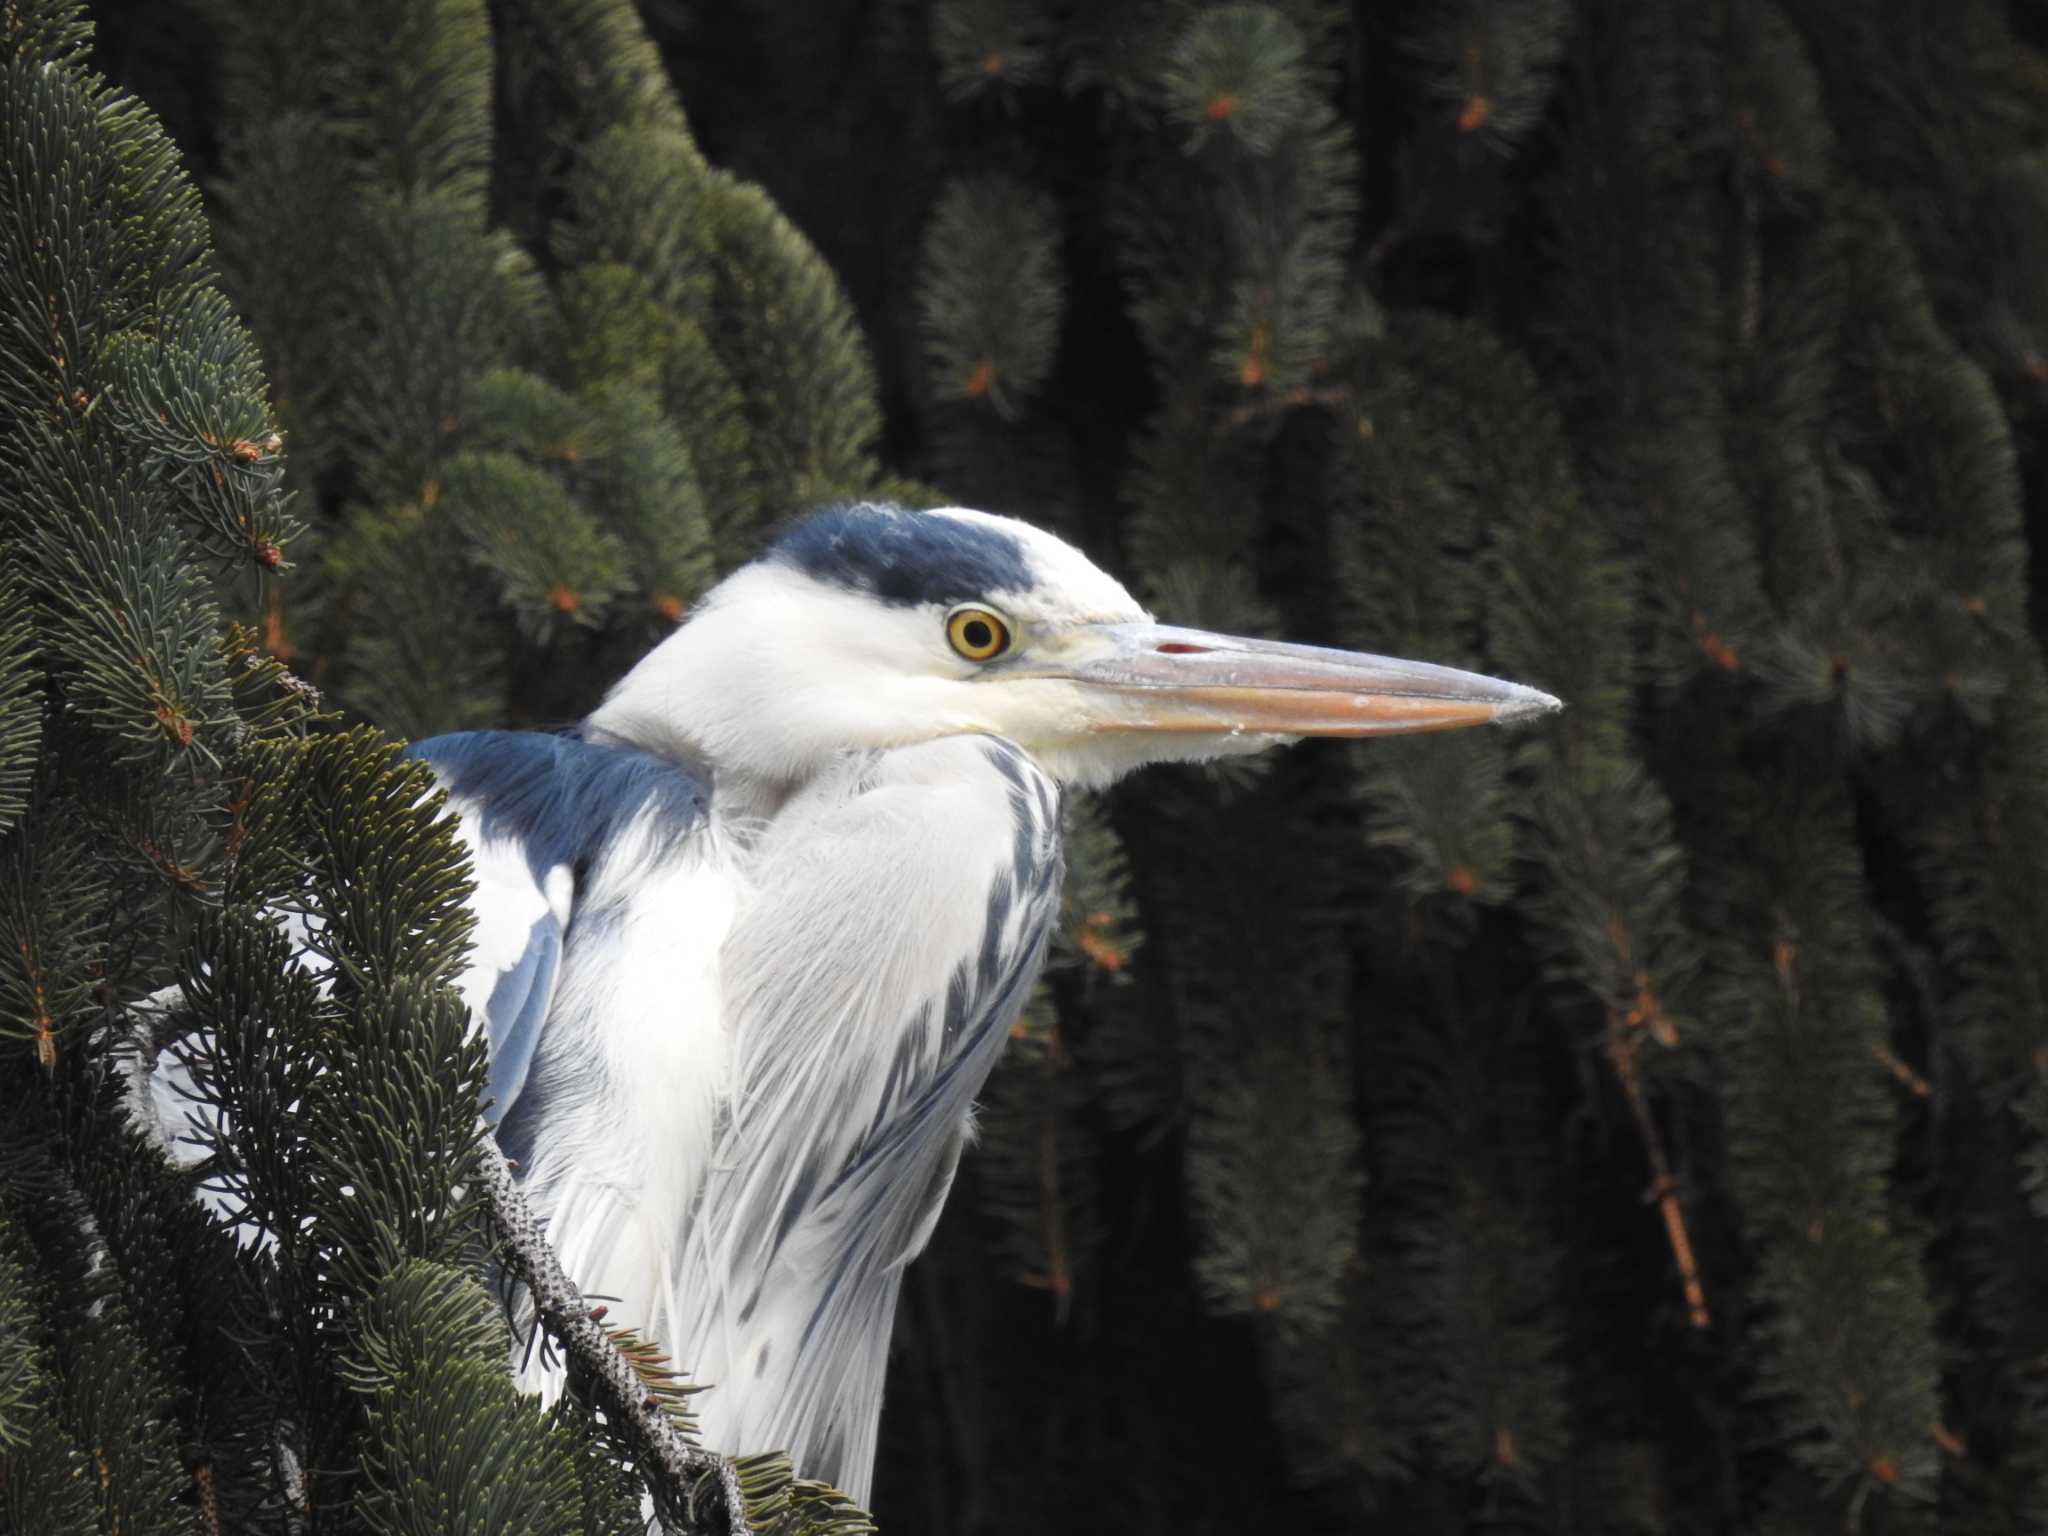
(871, 626)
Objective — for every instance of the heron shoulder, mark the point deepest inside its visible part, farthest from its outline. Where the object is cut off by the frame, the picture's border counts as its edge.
(563, 800)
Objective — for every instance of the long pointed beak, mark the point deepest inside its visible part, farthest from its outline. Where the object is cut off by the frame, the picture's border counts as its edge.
(1156, 678)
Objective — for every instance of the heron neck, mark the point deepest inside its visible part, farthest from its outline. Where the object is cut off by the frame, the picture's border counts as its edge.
(737, 797)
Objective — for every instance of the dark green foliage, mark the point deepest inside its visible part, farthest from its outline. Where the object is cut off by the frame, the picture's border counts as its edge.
(1439, 802)
(1476, 1268)
(1796, 1018)
(1038, 1179)
(523, 512)
(779, 410)
(991, 45)
(112, 1401)
(111, 635)
(47, 1478)
(991, 235)
(90, 1426)
(21, 724)
(796, 356)
(549, 562)
(1237, 74)
(1238, 218)
(449, 1446)
(1679, 367)
(1492, 67)
(1273, 1178)
(49, 927)
(782, 1504)
(169, 802)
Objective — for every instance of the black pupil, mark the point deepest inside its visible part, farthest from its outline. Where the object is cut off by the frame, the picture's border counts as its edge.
(978, 635)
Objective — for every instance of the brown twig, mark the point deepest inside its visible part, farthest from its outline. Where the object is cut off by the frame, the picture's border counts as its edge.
(1621, 1052)
(1333, 397)
(209, 1502)
(673, 1467)
(1901, 1069)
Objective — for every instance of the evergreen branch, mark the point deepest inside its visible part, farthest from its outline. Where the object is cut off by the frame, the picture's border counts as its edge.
(675, 1470)
(450, 1444)
(21, 715)
(989, 302)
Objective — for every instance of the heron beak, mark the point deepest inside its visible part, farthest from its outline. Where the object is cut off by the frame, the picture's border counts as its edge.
(1159, 679)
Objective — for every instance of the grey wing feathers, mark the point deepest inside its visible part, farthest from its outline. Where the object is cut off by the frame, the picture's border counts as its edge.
(539, 812)
(516, 1010)
(854, 1094)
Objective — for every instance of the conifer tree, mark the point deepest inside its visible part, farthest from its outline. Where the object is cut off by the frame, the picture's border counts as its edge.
(196, 859)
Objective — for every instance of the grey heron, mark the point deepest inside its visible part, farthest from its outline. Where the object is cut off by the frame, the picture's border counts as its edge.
(751, 937)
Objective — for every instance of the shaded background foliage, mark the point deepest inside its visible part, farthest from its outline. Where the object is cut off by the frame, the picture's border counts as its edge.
(1632, 1125)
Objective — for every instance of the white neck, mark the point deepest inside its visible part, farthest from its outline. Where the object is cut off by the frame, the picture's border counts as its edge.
(774, 676)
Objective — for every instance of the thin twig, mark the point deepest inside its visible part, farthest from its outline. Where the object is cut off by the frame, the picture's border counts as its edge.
(209, 1501)
(1621, 1054)
(672, 1466)
(1901, 1069)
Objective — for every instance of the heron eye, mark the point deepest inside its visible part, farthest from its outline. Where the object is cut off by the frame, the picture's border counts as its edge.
(977, 634)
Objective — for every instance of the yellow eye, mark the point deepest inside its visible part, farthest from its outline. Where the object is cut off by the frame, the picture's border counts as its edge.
(977, 634)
